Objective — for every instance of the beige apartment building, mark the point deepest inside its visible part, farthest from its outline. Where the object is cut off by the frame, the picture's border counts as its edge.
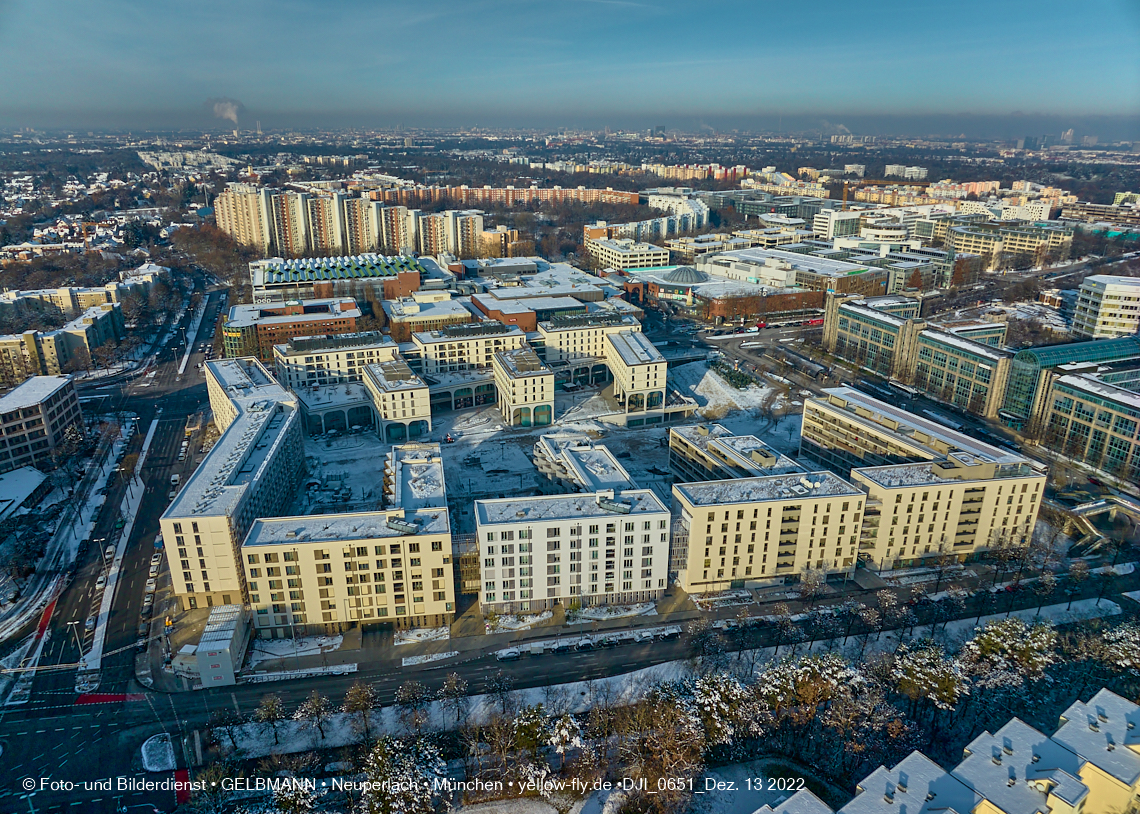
(400, 399)
(728, 531)
(701, 452)
(252, 471)
(34, 420)
(638, 369)
(1005, 244)
(582, 337)
(624, 254)
(423, 311)
(1107, 307)
(315, 361)
(469, 346)
(524, 386)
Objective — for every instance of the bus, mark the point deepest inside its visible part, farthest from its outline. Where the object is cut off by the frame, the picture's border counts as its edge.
(903, 388)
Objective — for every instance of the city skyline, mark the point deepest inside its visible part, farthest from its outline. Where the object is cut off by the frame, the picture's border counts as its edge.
(591, 63)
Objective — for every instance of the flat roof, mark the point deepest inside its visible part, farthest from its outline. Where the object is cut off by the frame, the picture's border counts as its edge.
(265, 411)
(246, 315)
(410, 310)
(592, 466)
(634, 348)
(522, 362)
(911, 430)
(471, 330)
(16, 486)
(413, 476)
(221, 625)
(364, 340)
(795, 486)
(806, 262)
(31, 392)
(393, 375)
(339, 528)
(277, 271)
(565, 507)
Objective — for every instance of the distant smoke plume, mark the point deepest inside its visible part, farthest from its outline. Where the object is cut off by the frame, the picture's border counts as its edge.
(842, 128)
(226, 109)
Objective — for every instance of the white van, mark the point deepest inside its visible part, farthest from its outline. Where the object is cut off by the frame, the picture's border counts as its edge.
(174, 479)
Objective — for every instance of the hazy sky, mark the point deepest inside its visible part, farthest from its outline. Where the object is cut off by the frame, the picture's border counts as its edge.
(549, 62)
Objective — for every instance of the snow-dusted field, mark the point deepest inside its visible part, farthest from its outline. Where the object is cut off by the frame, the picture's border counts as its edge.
(412, 661)
(266, 649)
(715, 395)
(511, 621)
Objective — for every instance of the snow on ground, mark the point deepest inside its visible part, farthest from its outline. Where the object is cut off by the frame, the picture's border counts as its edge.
(727, 790)
(419, 635)
(349, 470)
(511, 621)
(412, 661)
(714, 394)
(266, 649)
(723, 600)
(603, 612)
(158, 754)
(286, 675)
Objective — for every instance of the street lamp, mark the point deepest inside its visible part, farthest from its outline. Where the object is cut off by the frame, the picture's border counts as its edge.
(74, 625)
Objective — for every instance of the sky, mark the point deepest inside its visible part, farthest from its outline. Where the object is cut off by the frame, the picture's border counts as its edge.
(717, 64)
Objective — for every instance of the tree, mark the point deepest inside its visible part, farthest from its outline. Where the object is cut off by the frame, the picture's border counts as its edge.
(412, 699)
(293, 798)
(1078, 573)
(500, 686)
(565, 734)
(1008, 652)
(226, 721)
(812, 583)
(531, 729)
(453, 696)
(401, 778)
(270, 712)
(314, 712)
(80, 360)
(927, 675)
(915, 280)
(1044, 589)
(360, 700)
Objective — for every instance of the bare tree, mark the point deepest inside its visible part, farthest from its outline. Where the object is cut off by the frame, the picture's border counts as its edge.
(314, 712)
(412, 699)
(453, 696)
(270, 712)
(360, 700)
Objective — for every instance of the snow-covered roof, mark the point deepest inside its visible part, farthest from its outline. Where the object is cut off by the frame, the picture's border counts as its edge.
(393, 376)
(916, 785)
(247, 315)
(333, 529)
(962, 344)
(591, 466)
(795, 486)
(413, 477)
(802, 802)
(220, 628)
(1089, 384)
(1019, 751)
(566, 507)
(17, 486)
(634, 348)
(522, 362)
(265, 413)
(31, 392)
(1105, 733)
(736, 450)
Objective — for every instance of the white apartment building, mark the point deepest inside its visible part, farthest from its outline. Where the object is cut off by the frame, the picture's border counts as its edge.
(524, 387)
(313, 361)
(252, 471)
(624, 254)
(34, 419)
(1107, 307)
(832, 223)
(583, 549)
(638, 369)
(729, 531)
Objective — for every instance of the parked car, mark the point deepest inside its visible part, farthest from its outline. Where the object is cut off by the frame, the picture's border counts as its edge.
(109, 552)
(89, 625)
(153, 571)
(156, 559)
(144, 629)
(101, 583)
(643, 636)
(151, 584)
(140, 644)
(511, 654)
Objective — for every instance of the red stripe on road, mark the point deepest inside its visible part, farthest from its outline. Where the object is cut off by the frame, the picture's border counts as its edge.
(45, 617)
(182, 789)
(108, 697)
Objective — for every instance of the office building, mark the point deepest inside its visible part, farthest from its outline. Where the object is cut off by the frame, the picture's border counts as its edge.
(254, 330)
(524, 386)
(638, 369)
(423, 311)
(1107, 307)
(1117, 214)
(948, 366)
(608, 547)
(832, 223)
(252, 471)
(363, 277)
(623, 254)
(36, 417)
(783, 268)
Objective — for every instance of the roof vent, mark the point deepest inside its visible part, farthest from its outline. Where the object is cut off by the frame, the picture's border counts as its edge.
(930, 796)
(1094, 726)
(1036, 758)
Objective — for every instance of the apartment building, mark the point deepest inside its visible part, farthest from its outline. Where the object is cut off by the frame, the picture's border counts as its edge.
(63, 350)
(1087, 765)
(577, 464)
(329, 572)
(832, 223)
(252, 471)
(242, 212)
(505, 196)
(729, 531)
(365, 276)
(582, 337)
(400, 399)
(524, 387)
(931, 491)
(1107, 307)
(702, 452)
(1119, 214)
(35, 418)
(316, 361)
(423, 311)
(254, 330)
(945, 364)
(468, 346)
(454, 232)
(1011, 244)
(623, 254)
(609, 547)
(638, 369)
